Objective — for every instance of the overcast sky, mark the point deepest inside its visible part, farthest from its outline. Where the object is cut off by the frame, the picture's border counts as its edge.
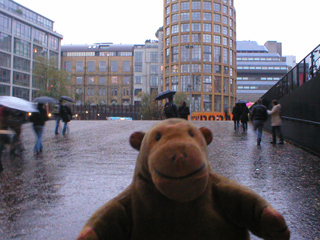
(294, 23)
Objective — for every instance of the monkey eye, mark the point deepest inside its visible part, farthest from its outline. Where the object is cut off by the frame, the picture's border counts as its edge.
(191, 133)
(158, 136)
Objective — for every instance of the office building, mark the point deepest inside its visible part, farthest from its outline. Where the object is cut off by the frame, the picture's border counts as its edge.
(200, 52)
(24, 35)
(259, 67)
(100, 73)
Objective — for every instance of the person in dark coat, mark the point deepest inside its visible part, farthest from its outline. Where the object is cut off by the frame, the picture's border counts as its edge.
(38, 119)
(170, 109)
(58, 116)
(66, 116)
(236, 116)
(244, 116)
(259, 115)
(183, 110)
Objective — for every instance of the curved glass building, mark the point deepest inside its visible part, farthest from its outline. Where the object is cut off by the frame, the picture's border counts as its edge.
(200, 52)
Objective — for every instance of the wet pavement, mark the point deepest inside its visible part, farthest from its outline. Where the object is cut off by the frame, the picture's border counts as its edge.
(52, 195)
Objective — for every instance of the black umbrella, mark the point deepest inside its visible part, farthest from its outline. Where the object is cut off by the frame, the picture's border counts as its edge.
(165, 94)
(45, 99)
(66, 98)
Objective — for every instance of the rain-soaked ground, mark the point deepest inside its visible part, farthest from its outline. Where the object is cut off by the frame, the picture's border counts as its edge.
(51, 196)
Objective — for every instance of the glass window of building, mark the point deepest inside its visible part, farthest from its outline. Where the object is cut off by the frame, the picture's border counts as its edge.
(54, 43)
(40, 37)
(79, 66)
(20, 93)
(5, 42)
(126, 66)
(196, 5)
(21, 79)
(225, 9)
(5, 23)
(102, 66)
(225, 30)
(175, 40)
(207, 68)
(114, 66)
(154, 80)
(217, 28)
(138, 80)
(196, 16)
(102, 80)
(175, 18)
(175, 7)
(137, 91)
(207, 5)
(217, 84)
(90, 80)
(22, 48)
(167, 20)
(185, 6)
(217, 39)
(185, 38)
(79, 80)
(91, 66)
(22, 30)
(207, 16)
(185, 82)
(196, 38)
(154, 69)
(217, 69)
(168, 10)
(226, 85)
(4, 90)
(185, 16)
(175, 29)
(207, 102)
(5, 60)
(207, 38)
(126, 80)
(114, 80)
(196, 103)
(225, 56)
(225, 20)
(207, 27)
(185, 27)
(68, 66)
(217, 7)
(4, 75)
(21, 64)
(217, 17)
(217, 103)
(196, 27)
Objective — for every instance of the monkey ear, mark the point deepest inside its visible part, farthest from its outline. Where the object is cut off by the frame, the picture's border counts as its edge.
(207, 134)
(136, 140)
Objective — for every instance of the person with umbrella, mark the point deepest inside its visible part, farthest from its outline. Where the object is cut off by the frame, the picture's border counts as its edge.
(58, 116)
(66, 116)
(38, 119)
(170, 108)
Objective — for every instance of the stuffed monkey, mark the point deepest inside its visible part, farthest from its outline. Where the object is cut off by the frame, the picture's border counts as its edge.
(176, 195)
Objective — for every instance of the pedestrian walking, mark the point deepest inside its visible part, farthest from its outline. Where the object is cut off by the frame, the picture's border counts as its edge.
(276, 122)
(236, 116)
(66, 116)
(259, 115)
(170, 109)
(58, 116)
(244, 116)
(183, 110)
(38, 119)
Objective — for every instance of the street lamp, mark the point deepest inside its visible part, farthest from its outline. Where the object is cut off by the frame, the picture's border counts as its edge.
(190, 70)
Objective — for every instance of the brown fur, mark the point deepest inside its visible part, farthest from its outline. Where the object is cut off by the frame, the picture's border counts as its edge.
(175, 195)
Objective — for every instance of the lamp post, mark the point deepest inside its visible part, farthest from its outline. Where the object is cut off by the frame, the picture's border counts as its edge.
(190, 70)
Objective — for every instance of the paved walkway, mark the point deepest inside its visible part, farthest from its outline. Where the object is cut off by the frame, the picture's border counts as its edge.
(51, 196)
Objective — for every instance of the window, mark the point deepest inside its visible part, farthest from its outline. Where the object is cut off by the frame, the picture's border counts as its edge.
(90, 80)
(217, 39)
(196, 5)
(207, 16)
(137, 91)
(138, 80)
(79, 66)
(102, 66)
(185, 16)
(207, 27)
(185, 6)
(217, 84)
(196, 16)
(175, 7)
(91, 66)
(5, 23)
(154, 69)
(114, 66)
(217, 17)
(79, 80)
(217, 103)
(217, 7)
(217, 28)
(175, 18)
(196, 27)
(22, 48)
(175, 29)
(207, 38)
(68, 66)
(185, 27)
(175, 40)
(102, 80)
(207, 5)
(126, 66)
(114, 80)
(126, 80)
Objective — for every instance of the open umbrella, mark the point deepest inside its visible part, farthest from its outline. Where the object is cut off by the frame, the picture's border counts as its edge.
(18, 104)
(66, 98)
(165, 94)
(45, 99)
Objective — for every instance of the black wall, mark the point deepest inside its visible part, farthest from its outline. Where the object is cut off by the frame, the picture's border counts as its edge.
(301, 115)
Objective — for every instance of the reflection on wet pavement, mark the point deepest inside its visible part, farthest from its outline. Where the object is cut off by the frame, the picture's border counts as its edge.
(52, 195)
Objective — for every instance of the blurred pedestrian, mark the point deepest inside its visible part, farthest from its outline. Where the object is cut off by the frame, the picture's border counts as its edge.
(38, 119)
(170, 109)
(58, 114)
(244, 116)
(236, 116)
(259, 115)
(183, 110)
(276, 122)
(66, 116)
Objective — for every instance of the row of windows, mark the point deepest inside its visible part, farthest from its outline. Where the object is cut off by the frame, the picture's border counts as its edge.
(91, 67)
(198, 38)
(102, 80)
(154, 80)
(198, 27)
(26, 13)
(26, 32)
(103, 91)
(97, 54)
(197, 16)
(259, 59)
(261, 78)
(262, 68)
(253, 87)
(196, 5)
